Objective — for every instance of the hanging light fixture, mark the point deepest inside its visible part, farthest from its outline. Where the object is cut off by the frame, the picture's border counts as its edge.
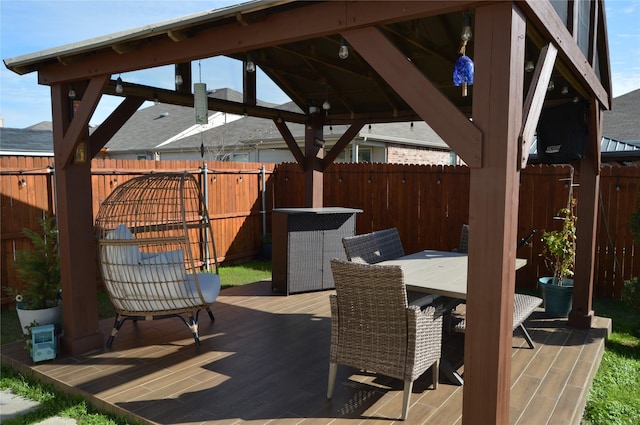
(326, 105)
(343, 52)
(250, 65)
(529, 66)
(71, 93)
(463, 69)
(119, 88)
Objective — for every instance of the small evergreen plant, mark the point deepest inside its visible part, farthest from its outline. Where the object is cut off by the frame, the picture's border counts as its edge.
(39, 269)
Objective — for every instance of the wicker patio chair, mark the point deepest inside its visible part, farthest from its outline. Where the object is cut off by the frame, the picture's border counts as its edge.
(373, 328)
(371, 248)
(381, 245)
(156, 251)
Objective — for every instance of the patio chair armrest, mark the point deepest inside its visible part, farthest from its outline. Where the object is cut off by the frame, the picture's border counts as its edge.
(424, 339)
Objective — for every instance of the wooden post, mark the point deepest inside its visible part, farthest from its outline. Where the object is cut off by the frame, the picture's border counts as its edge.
(313, 152)
(493, 213)
(581, 315)
(76, 238)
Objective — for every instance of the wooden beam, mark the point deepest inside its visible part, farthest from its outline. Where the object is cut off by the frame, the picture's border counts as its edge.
(582, 315)
(290, 141)
(249, 96)
(301, 23)
(456, 130)
(493, 213)
(113, 123)
(78, 264)
(313, 153)
(548, 22)
(342, 143)
(182, 99)
(535, 100)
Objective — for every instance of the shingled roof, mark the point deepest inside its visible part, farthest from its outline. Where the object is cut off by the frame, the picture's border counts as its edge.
(621, 122)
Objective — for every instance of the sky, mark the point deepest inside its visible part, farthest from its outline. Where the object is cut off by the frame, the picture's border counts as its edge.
(28, 26)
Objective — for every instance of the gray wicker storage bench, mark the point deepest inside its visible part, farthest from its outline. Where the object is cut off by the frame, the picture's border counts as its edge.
(523, 306)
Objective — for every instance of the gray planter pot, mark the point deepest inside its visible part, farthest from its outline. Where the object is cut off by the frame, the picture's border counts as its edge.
(43, 316)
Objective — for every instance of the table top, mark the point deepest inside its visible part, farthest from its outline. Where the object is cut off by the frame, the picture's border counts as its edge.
(437, 272)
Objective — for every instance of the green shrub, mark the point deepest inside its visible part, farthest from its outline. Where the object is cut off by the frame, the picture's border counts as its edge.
(631, 293)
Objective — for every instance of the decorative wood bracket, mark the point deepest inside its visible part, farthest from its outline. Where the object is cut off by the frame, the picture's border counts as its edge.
(535, 100)
(290, 141)
(345, 139)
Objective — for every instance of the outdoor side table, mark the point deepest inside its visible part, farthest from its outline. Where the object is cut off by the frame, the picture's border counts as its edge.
(304, 242)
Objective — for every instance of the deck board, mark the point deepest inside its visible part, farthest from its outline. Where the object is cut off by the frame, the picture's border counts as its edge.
(265, 360)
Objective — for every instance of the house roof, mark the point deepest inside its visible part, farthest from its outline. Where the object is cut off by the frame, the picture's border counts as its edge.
(25, 142)
(621, 122)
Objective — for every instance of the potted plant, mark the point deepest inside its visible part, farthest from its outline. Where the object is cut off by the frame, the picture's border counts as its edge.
(559, 252)
(39, 301)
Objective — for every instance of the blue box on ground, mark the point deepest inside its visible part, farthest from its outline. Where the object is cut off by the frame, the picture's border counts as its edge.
(44, 344)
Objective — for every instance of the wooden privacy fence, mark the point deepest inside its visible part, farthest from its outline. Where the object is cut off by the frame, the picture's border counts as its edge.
(234, 193)
(428, 205)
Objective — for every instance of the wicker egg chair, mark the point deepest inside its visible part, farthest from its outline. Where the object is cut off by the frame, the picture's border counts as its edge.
(156, 251)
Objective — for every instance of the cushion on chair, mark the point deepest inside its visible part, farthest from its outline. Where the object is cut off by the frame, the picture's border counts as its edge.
(121, 254)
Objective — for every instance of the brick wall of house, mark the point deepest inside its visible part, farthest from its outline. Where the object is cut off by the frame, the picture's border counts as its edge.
(403, 154)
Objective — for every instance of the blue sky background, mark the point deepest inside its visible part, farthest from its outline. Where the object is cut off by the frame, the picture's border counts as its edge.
(27, 26)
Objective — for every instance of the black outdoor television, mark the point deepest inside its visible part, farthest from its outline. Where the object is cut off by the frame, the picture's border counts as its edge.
(561, 133)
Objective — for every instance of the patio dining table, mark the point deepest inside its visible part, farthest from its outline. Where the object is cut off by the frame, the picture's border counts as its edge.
(442, 273)
(437, 272)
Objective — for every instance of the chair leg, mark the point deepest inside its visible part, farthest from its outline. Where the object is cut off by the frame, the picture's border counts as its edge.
(435, 370)
(333, 370)
(527, 337)
(408, 388)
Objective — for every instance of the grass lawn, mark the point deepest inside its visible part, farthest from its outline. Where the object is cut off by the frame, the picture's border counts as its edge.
(614, 397)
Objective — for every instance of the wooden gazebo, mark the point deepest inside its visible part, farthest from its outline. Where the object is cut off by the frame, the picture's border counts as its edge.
(401, 56)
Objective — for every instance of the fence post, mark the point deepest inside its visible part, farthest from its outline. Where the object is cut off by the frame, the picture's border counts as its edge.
(205, 195)
(263, 191)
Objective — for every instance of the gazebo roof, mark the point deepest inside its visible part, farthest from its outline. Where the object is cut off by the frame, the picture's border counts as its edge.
(304, 61)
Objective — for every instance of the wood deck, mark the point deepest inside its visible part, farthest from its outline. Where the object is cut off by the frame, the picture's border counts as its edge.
(265, 360)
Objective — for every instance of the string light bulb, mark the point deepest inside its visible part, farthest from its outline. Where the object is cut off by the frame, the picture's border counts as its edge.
(343, 52)
(72, 92)
(179, 80)
(250, 65)
(119, 88)
(529, 66)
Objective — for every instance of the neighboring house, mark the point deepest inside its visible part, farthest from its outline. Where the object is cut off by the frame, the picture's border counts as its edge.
(169, 132)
